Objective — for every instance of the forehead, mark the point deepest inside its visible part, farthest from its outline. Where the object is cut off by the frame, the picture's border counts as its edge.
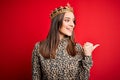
(69, 15)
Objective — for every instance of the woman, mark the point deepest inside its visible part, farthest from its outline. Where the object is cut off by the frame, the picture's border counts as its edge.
(59, 57)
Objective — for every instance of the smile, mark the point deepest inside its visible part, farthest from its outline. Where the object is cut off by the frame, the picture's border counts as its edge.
(69, 29)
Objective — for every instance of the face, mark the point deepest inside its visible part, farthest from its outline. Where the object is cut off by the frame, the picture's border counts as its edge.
(67, 25)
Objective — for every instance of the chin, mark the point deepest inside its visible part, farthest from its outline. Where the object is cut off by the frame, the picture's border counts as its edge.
(69, 34)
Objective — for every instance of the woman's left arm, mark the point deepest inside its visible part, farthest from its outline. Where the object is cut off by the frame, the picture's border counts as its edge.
(88, 48)
(86, 62)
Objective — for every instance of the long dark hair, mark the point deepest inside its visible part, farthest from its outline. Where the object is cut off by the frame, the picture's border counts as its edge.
(48, 47)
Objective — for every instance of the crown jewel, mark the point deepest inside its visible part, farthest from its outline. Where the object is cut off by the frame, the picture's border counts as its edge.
(60, 10)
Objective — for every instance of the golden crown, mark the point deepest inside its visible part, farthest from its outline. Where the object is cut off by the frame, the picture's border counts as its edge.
(60, 10)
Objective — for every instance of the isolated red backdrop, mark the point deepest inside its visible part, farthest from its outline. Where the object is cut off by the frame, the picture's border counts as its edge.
(25, 22)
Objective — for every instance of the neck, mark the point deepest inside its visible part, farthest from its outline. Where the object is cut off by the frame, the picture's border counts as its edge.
(61, 36)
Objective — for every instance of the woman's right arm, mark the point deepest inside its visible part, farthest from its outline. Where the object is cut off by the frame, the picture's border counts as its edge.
(36, 72)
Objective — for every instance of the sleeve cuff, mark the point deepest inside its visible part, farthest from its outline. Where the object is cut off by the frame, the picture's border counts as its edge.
(88, 60)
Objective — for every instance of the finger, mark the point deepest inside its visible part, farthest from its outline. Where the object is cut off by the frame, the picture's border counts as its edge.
(88, 44)
(95, 46)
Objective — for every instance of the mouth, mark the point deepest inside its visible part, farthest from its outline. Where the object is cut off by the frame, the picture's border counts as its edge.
(69, 29)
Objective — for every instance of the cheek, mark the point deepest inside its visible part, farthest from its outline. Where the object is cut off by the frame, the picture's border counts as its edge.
(62, 29)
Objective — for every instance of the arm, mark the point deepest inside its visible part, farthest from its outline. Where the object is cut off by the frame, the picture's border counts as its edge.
(86, 61)
(85, 65)
(36, 73)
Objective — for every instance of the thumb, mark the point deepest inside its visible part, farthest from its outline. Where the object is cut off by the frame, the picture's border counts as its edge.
(95, 46)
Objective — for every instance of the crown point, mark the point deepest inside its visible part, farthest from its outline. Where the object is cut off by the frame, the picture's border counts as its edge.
(60, 10)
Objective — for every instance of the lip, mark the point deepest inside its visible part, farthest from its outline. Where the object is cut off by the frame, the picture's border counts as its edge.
(69, 29)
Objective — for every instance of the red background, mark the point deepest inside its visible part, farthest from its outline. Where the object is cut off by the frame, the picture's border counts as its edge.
(24, 22)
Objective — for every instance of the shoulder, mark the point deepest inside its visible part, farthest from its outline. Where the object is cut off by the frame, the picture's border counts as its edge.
(35, 51)
(37, 44)
(35, 48)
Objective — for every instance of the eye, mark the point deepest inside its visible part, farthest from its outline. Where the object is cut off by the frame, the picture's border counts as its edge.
(67, 20)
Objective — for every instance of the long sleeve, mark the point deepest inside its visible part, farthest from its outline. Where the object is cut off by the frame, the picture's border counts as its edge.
(85, 64)
(36, 72)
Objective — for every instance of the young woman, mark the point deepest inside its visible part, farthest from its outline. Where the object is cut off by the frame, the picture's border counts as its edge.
(59, 57)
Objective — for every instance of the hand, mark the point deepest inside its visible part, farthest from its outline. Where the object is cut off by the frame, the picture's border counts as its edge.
(88, 48)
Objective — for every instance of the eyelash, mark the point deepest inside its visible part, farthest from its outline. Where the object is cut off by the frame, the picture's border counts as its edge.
(69, 20)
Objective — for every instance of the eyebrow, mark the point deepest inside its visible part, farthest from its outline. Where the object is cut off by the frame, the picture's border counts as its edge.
(69, 18)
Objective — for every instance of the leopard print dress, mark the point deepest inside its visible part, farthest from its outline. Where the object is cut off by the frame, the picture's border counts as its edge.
(63, 67)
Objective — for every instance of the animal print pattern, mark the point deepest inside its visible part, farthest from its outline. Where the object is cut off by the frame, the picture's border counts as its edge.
(63, 67)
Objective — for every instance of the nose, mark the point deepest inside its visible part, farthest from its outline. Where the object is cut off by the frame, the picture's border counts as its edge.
(72, 24)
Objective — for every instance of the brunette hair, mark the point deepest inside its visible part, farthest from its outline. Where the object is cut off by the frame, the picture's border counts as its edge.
(48, 47)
